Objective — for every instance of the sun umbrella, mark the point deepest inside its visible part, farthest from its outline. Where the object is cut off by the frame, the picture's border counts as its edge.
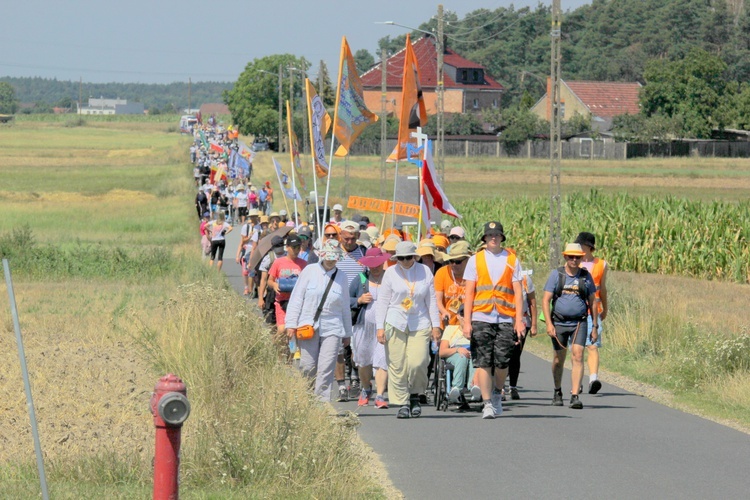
(264, 246)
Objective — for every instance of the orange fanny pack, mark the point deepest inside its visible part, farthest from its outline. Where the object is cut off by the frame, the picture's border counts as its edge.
(305, 332)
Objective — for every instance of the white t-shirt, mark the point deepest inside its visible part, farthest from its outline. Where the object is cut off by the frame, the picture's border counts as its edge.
(241, 197)
(496, 264)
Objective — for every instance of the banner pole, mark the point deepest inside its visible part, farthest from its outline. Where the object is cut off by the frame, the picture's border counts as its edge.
(26, 383)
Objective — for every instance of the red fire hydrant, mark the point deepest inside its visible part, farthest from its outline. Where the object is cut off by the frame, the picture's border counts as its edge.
(170, 408)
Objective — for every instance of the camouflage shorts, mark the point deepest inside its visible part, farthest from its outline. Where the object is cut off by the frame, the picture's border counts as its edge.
(492, 344)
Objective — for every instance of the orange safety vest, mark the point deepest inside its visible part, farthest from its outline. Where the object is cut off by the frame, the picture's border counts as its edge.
(498, 296)
(597, 271)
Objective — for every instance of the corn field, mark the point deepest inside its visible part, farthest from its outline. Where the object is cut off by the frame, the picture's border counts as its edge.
(645, 234)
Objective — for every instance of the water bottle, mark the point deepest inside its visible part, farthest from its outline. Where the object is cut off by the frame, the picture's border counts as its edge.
(293, 344)
(434, 346)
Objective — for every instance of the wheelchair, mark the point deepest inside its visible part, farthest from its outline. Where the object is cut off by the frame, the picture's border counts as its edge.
(442, 382)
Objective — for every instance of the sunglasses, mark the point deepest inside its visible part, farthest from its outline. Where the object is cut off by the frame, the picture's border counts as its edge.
(458, 262)
(330, 235)
(573, 257)
(454, 237)
(408, 257)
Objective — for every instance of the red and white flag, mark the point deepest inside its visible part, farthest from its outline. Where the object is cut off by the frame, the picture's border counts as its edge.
(433, 193)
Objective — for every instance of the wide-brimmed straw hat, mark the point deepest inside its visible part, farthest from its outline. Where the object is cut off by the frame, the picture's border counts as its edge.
(574, 249)
(374, 258)
(458, 250)
(405, 249)
(390, 243)
(426, 247)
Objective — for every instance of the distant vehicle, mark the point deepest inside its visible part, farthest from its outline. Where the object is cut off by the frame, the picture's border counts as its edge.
(186, 123)
(260, 144)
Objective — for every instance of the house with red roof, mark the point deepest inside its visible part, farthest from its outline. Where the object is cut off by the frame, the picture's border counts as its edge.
(468, 86)
(601, 101)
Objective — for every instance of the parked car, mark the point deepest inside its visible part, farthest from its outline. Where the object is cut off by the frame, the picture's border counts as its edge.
(260, 144)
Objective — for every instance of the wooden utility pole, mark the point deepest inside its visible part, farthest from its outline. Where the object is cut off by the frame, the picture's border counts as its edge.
(383, 124)
(440, 46)
(555, 209)
(80, 93)
(190, 89)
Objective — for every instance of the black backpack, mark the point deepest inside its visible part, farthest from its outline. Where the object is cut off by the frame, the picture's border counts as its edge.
(584, 276)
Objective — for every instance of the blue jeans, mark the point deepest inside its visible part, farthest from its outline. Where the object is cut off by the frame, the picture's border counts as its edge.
(461, 366)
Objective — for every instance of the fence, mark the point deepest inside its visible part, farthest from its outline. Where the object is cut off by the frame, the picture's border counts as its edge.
(578, 149)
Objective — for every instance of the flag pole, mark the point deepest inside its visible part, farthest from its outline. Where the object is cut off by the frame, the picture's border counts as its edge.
(291, 161)
(335, 119)
(318, 221)
(395, 182)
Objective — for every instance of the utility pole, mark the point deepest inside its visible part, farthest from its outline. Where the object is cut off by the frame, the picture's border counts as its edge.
(383, 124)
(440, 97)
(281, 126)
(190, 85)
(555, 209)
(80, 93)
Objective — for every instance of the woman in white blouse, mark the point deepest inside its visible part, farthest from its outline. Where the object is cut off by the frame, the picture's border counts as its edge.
(332, 324)
(407, 315)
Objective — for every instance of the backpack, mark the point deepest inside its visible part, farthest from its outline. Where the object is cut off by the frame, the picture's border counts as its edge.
(356, 310)
(583, 276)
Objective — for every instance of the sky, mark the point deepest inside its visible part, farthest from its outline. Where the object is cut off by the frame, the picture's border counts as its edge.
(163, 41)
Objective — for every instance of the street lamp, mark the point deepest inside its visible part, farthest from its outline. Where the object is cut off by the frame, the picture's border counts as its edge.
(440, 86)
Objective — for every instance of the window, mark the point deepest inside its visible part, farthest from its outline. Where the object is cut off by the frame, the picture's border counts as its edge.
(476, 103)
(464, 75)
(475, 75)
(494, 103)
(562, 110)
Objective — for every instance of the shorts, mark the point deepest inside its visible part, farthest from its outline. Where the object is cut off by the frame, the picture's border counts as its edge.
(598, 342)
(217, 250)
(492, 344)
(242, 211)
(245, 272)
(567, 335)
(280, 312)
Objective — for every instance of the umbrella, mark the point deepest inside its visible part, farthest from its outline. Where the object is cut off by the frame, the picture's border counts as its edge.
(264, 246)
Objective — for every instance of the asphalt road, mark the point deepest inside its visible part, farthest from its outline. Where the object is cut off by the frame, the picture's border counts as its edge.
(619, 446)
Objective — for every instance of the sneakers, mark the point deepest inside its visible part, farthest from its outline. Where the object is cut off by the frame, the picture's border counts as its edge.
(404, 412)
(497, 398)
(488, 412)
(380, 402)
(364, 398)
(514, 394)
(343, 394)
(455, 395)
(575, 402)
(594, 387)
(355, 385)
(246, 292)
(415, 407)
(557, 398)
(476, 393)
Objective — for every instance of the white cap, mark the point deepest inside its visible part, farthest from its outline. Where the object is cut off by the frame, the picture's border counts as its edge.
(338, 207)
(282, 212)
(458, 231)
(445, 225)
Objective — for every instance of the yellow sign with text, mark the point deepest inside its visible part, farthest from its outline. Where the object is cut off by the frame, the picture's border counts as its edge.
(382, 206)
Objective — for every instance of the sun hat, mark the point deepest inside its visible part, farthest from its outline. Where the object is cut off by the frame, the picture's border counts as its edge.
(458, 231)
(574, 249)
(446, 225)
(440, 241)
(374, 257)
(458, 250)
(493, 228)
(241, 187)
(426, 247)
(364, 240)
(338, 207)
(253, 189)
(264, 219)
(587, 239)
(350, 226)
(254, 212)
(405, 249)
(390, 243)
(331, 250)
(274, 214)
(373, 232)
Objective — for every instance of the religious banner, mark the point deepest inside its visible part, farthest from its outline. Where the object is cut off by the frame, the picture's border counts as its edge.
(383, 206)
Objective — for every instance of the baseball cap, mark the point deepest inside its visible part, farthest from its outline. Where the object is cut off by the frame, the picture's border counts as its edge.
(349, 226)
(458, 231)
(305, 232)
(293, 241)
(337, 206)
(277, 241)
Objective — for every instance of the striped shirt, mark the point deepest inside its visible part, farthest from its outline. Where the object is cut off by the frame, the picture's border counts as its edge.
(349, 264)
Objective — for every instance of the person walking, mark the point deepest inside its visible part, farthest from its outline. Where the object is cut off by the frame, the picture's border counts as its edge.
(320, 301)
(407, 317)
(283, 276)
(494, 312)
(598, 269)
(570, 290)
(367, 353)
(530, 322)
(218, 229)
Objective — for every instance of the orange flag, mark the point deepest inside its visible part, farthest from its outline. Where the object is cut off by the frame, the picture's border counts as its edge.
(413, 113)
(351, 115)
